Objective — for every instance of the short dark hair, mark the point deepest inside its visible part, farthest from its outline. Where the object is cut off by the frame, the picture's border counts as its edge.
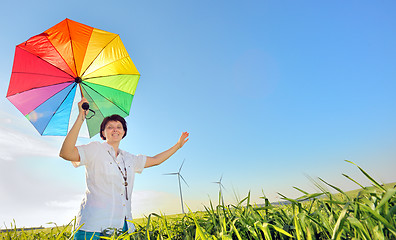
(114, 117)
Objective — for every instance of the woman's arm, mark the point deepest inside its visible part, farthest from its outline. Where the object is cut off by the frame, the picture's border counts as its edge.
(161, 157)
(69, 151)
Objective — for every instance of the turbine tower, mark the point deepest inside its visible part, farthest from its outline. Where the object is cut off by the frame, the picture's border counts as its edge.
(221, 186)
(178, 177)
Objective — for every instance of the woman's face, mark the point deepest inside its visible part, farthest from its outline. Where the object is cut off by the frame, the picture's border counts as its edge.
(113, 131)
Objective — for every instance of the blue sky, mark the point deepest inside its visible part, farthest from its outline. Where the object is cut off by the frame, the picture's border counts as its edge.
(270, 92)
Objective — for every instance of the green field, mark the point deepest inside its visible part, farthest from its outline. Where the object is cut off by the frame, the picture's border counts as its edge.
(365, 213)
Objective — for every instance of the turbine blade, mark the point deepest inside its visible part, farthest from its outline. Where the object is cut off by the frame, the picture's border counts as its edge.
(181, 165)
(184, 180)
(170, 173)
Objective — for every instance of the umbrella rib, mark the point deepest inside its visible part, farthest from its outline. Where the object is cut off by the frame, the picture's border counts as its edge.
(38, 88)
(98, 54)
(47, 75)
(41, 74)
(71, 46)
(108, 76)
(103, 97)
(85, 79)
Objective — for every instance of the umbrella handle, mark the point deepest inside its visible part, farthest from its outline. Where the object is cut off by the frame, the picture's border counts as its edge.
(85, 106)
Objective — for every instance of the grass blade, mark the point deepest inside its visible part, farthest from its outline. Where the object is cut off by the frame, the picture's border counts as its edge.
(368, 176)
(340, 222)
(379, 218)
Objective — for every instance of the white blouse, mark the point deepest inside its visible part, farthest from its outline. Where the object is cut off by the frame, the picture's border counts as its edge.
(105, 204)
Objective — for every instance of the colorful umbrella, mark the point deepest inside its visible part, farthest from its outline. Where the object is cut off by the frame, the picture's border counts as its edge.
(54, 69)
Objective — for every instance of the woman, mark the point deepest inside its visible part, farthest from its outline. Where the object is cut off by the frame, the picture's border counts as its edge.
(109, 175)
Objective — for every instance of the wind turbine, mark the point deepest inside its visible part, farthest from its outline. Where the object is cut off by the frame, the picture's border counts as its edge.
(178, 177)
(220, 187)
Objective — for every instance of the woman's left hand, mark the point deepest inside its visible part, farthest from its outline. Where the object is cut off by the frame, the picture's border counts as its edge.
(183, 139)
(161, 157)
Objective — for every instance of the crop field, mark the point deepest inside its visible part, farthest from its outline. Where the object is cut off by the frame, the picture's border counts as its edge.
(368, 213)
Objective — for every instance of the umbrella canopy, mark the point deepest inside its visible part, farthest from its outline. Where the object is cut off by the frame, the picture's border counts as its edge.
(54, 69)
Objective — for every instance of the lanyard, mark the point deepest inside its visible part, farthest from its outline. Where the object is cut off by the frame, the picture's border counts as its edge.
(124, 176)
